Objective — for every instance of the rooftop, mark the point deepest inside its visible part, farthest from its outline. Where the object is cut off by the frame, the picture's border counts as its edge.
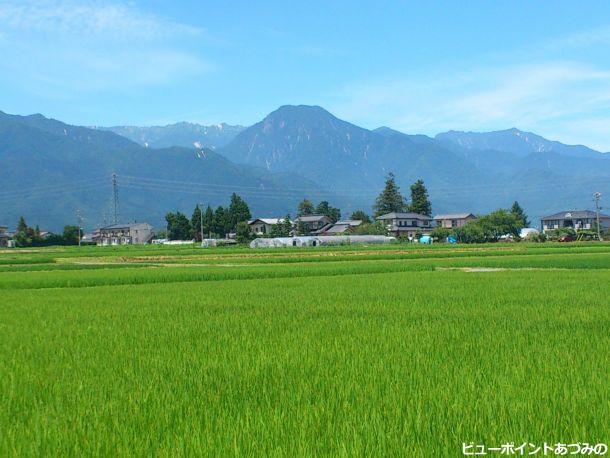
(399, 215)
(455, 216)
(311, 218)
(574, 214)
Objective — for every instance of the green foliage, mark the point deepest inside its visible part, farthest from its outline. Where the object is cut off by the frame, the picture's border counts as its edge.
(71, 235)
(178, 226)
(221, 223)
(196, 224)
(441, 233)
(490, 228)
(390, 199)
(305, 208)
(238, 212)
(520, 214)
(420, 203)
(362, 216)
(243, 232)
(324, 208)
(376, 228)
(282, 229)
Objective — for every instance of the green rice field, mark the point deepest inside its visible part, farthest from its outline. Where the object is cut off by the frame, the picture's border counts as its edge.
(371, 351)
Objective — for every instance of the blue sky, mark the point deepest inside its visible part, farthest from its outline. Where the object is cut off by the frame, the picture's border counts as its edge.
(420, 67)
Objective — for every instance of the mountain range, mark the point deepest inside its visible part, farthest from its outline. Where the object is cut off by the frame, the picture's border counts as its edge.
(52, 169)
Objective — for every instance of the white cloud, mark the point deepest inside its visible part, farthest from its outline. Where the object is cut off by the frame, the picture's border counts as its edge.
(57, 47)
(88, 18)
(534, 97)
(584, 39)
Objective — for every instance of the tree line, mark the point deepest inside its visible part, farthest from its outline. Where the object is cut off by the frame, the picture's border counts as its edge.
(27, 236)
(211, 223)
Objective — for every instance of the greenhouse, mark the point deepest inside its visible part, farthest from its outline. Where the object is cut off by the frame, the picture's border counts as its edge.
(329, 240)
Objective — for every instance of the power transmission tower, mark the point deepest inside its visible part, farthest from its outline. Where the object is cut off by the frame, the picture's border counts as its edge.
(596, 198)
(115, 195)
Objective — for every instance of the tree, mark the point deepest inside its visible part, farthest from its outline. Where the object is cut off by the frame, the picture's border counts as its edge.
(324, 208)
(243, 233)
(22, 225)
(283, 228)
(238, 211)
(520, 214)
(305, 208)
(208, 222)
(420, 203)
(179, 226)
(221, 222)
(362, 216)
(196, 224)
(390, 199)
(440, 233)
(376, 228)
(498, 223)
(71, 235)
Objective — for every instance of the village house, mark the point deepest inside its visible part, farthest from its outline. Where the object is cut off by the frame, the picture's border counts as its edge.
(313, 224)
(263, 226)
(342, 227)
(125, 234)
(4, 236)
(452, 221)
(576, 219)
(407, 224)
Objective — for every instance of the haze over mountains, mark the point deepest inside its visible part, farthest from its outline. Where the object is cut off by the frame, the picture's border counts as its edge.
(51, 168)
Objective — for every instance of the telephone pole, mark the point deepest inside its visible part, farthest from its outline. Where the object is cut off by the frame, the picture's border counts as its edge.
(115, 195)
(201, 221)
(596, 197)
(80, 224)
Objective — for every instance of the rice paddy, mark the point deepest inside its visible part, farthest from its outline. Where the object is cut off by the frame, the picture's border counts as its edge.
(381, 350)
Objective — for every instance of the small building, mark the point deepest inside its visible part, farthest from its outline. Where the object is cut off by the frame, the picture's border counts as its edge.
(342, 227)
(125, 234)
(5, 236)
(313, 224)
(575, 219)
(263, 226)
(406, 224)
(453, 220)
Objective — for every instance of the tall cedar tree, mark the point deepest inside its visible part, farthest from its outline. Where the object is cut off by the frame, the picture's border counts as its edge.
(221, 222)
(305, 208)
(520, 214)
(208, 222)
(390, 199)
(238, 211)
(420, 203)
(196, 224)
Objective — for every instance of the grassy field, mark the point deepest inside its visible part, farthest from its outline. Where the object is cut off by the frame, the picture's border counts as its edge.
(383, 350)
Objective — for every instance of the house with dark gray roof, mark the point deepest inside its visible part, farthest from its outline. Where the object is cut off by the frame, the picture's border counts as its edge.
(342, 227)
(575, 219)
(313, 224)
(407, 224)
(125, 234)
(453, 220)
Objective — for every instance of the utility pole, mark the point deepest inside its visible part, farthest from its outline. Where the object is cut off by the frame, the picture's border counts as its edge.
(201, 222)
(115, 195)
(596, 197)
(80, 223)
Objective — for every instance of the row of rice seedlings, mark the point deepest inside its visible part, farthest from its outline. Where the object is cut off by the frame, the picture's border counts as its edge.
(408, 364)
(100, 277)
